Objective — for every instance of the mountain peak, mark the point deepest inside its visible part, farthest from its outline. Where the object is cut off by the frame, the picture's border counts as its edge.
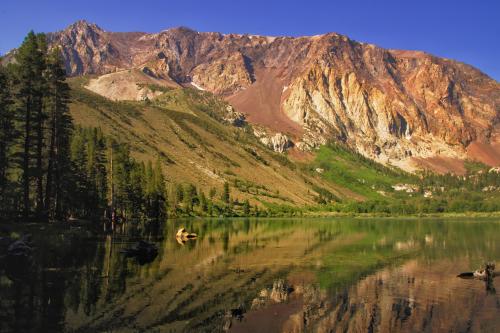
(180, 30)
(84, 25)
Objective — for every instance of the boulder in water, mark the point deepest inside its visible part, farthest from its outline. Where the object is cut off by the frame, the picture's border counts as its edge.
(184, 236)
(143, 252)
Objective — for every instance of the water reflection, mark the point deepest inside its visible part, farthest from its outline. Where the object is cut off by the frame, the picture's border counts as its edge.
(247, 275)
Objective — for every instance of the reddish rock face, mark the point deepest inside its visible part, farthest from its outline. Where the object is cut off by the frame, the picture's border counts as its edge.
(390, 105)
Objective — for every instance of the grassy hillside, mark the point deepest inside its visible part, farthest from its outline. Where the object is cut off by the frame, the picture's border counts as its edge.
(185, 128)
(359, 174)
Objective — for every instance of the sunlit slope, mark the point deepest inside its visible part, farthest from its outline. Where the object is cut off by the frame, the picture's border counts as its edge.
(186, 129)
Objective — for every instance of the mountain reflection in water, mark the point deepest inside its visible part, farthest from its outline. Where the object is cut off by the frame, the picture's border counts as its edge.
(280, 275)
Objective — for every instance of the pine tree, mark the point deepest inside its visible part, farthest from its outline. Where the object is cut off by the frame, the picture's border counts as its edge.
(246, 208)
(149, 188)
(159, 191)
(179, 190)
(28, 71)
(7, 134)
(136, 189)
(39, 120)
(60, 127)
(100, 163)
(156, 193)
(225, 193)
(121, 176)
(79, 180)
(172, 198)
(188, 199)
(203, 202)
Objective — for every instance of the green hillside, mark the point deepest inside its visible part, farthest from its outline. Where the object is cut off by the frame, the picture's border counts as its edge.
(187, 130)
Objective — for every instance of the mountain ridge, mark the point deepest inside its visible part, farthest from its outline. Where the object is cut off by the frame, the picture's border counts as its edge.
(397, 107)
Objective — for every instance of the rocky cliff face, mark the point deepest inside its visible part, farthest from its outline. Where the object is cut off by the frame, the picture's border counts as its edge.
(397, 107)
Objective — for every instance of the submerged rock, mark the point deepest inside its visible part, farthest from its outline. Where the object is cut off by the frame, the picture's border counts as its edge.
(488, 272)
(143, 252)
(17, 256)
(279, 293)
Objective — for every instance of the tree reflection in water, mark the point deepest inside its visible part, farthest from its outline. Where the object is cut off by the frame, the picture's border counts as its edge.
(313, 275)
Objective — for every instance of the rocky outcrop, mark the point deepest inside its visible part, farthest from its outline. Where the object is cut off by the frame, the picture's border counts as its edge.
(405, 106)
(278, 142)
(223, 76)
(234, 117)
(392, 106)
(132, 85)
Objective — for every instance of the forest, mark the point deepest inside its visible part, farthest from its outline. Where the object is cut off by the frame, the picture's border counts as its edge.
(51, 169)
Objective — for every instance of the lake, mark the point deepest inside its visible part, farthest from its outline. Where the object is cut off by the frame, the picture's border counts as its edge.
(259, 275)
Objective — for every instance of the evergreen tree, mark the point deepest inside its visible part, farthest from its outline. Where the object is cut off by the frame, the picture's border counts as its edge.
(203, 202)
(246, 208)
(225, 193)
(7, 134)
(149, 188)
(172, 198)
(39, 120)
(179, 190)
(122, 165)
(79, 184)
(60, 127)
(188, 199)
(160, 191)
(212, 193)
(28, 71)
(136, 192)
(99, 167)
(156, 191)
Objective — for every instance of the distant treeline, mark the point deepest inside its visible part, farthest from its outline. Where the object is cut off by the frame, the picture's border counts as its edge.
(105, 175)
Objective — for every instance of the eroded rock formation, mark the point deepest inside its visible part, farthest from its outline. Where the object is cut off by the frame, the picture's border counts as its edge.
(396, 107)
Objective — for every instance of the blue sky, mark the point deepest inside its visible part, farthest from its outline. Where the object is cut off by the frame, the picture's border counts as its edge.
(468, 31)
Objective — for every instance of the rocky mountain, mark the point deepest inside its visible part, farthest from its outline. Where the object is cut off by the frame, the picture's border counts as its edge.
(404, 108)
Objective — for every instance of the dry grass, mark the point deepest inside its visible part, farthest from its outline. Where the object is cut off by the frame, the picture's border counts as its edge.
(182, 127)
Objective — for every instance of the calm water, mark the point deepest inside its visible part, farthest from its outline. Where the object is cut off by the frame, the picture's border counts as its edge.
(289, 275)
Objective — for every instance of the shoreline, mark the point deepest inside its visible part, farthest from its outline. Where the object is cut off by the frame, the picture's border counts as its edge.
(312, 215)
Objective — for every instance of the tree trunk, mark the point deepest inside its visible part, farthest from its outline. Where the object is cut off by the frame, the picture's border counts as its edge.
(50, 169)
(26, 160)
(39, 160)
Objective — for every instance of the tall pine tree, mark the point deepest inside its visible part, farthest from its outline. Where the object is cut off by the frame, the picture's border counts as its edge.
(6, 136)
(29, 83)
(60, 129)
(40, 117)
